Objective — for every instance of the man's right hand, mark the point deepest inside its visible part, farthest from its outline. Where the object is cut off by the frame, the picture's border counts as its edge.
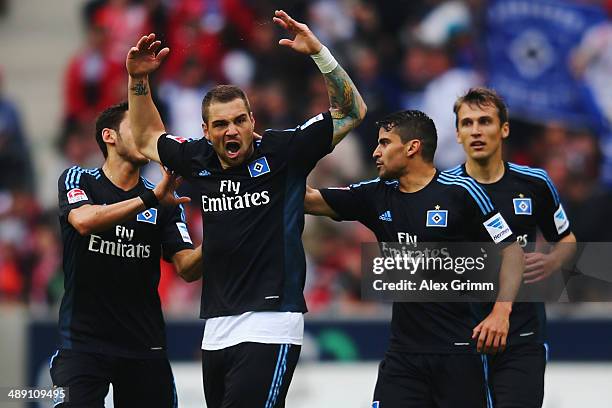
(165, 189)
(144, 58)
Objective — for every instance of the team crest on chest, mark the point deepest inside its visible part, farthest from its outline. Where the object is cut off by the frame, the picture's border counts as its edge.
(522, 205)
(437, 217)
(259, 167)
(148, 216)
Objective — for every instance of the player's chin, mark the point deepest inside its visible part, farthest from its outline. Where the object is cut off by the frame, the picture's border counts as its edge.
(234, 159)
(384, 174)
(479, 154)
(140, 161)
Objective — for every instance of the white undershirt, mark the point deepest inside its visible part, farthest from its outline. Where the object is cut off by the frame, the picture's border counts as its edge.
(256, 327)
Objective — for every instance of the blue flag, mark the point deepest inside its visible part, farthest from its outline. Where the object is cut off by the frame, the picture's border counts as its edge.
(529, 44)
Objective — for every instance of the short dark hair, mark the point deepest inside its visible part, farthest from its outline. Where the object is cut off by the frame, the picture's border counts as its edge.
(222, 93)
(413, 124)
(111, 118)
(481, 96)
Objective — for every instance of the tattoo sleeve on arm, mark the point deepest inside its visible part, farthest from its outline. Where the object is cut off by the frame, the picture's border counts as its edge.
(347, 106)
(140, 88)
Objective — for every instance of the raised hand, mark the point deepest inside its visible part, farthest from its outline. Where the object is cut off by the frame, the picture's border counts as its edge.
(304, 41)
(144, 58)
(165, 189)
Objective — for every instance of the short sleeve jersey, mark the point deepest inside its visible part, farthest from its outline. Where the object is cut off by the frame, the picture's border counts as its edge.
(528, 200)
(448, 209)
(253, 216)
(111, 304)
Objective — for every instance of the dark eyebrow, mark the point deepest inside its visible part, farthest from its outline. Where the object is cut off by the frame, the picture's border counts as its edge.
(220, 122)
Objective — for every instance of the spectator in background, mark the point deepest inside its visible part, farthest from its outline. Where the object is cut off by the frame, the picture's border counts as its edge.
(437, 31)
(124, 21)
(16, 170)
(92, 80)
(182, 96)
(77, 146)
(378, 90)
(592, 60)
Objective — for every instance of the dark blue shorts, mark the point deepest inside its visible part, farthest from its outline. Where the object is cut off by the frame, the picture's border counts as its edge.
(137, 382)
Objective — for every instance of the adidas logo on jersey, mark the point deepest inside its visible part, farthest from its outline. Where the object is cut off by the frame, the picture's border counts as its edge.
(204, 173)
(386, 216)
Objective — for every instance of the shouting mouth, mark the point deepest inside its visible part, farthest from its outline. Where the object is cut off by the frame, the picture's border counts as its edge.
(232, 148)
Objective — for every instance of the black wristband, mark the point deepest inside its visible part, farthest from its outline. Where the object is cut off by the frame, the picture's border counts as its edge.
(149, 199)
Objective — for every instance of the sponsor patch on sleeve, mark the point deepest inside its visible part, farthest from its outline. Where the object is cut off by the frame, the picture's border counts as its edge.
(497, 228)
(178, 139)
(75, 195)
(184, 232)
(561, 221)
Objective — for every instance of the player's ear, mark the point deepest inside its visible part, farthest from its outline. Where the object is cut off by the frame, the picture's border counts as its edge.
(109, 136)
(412, 147)
(505, 130)
(205, 131)
(252, 119)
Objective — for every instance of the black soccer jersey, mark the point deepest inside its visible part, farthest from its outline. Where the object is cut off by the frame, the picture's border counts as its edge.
(448, 209)
(528, 200)
(111, 304)
(253, 217)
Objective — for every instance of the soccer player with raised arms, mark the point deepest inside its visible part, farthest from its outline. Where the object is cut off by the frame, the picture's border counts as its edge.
(529, 201)
(115, 227)
(252, 202)
(432, 360)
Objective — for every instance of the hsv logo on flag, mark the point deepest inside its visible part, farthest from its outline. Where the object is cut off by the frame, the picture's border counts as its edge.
(75, 195)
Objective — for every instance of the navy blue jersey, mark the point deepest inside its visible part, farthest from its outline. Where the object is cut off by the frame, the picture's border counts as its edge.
(253, 216)
(529, 201)
(448, 209)
(111, 304)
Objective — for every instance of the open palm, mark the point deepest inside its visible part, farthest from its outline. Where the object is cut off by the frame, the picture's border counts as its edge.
(304, 42)
(144, 58)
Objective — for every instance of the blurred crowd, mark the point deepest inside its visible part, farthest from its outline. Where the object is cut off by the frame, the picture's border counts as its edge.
(401, 55)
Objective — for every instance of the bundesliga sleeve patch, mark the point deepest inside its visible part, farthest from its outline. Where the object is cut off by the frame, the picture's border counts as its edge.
(75, 195)
(178, 139)
(182, 228)
(311, 121)
(561, 221)
(497, 228)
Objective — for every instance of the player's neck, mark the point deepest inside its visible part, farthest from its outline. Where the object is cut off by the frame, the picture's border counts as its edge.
(121, 173)
(417, 179)
(487, 171)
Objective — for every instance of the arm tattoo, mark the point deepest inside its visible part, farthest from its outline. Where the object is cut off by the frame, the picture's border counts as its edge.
(345, 102)
(140, 88)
